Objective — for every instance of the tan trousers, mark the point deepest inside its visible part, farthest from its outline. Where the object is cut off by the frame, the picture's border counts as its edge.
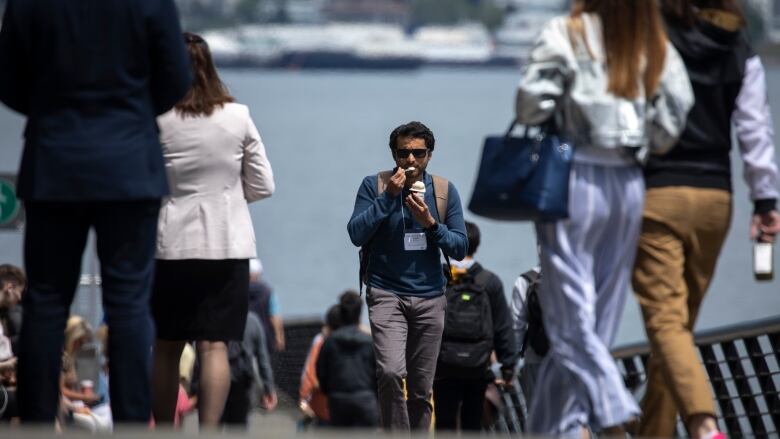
(683, 230)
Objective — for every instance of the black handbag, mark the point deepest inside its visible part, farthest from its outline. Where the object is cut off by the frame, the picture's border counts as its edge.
(524, 178)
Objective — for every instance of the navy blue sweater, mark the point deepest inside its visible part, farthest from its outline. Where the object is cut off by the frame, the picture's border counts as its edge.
(381, 220)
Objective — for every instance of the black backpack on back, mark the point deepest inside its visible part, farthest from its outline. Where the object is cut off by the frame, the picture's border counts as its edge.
(468, 324)
(535, 335)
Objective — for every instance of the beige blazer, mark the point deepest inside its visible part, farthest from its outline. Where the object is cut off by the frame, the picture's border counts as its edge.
(216, 165)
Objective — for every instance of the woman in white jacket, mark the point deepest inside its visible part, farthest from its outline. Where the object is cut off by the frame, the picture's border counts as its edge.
(618, 91)
(216, 165)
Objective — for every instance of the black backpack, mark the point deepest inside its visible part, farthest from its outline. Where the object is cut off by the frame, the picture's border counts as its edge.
(535, 336)
(241, 369)
(468, 324)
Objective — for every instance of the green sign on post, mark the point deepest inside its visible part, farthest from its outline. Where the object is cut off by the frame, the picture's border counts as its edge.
(10, 206)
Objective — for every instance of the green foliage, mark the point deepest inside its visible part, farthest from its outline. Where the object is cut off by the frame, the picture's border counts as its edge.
(456, 11)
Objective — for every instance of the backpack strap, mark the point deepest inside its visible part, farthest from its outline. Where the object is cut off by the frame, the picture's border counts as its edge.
(382, 178)
(482, 278)
(441, 192)
(530, 276)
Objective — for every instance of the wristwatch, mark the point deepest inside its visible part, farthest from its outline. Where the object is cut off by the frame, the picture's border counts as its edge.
(432, 229)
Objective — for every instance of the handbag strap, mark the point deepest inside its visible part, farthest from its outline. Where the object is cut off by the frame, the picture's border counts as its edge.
(511, 128)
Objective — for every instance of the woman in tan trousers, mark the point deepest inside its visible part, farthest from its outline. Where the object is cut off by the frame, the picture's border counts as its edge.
(688, 206)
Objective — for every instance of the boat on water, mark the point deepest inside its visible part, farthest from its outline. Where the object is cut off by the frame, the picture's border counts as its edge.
(384, 46)
(334, 59)
(355, 46)
(329, 46)
(516, 36)
(467, 45)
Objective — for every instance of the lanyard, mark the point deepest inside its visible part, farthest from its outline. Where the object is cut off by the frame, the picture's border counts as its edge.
(403, 216)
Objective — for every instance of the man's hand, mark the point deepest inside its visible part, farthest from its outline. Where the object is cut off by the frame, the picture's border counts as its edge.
(278, 324)
(768, 224)
(397, 182)
(269, 401)
(508, 378)
(306, 409)
(420, 210)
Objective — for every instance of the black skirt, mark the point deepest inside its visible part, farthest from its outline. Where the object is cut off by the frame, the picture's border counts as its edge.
(196, 299)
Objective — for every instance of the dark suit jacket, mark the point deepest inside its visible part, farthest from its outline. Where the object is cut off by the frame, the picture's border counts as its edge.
(91, 76)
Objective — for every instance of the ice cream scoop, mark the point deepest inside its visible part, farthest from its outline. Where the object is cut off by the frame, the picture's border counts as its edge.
(410, 170)
(418, 187)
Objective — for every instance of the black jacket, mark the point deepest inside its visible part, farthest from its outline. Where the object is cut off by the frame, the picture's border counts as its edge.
(346, 363)
(91, 76)
(715, 59)
(504, 341)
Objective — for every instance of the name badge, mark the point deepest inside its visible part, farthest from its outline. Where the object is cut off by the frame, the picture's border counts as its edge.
(415, 242)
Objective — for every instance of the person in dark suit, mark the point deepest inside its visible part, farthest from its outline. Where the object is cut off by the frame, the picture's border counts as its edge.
(90, 76)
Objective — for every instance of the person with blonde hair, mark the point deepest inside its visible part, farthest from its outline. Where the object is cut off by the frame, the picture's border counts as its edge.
(79, 401)
(615, 88)
(216, 165)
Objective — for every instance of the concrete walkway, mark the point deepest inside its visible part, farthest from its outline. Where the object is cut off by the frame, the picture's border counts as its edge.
(280, 424)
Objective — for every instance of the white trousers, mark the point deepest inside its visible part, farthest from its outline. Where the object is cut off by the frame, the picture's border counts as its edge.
(586, 267)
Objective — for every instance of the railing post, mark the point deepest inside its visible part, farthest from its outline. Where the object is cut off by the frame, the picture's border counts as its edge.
(752, 411)
(721, 391)
(519, 408)
(764, 376)
(645, 359)
(632, 378)
(774, 340)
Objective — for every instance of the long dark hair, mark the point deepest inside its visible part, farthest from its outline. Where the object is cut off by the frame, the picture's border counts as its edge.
(634, 41)
(684, 12)
(207, 92)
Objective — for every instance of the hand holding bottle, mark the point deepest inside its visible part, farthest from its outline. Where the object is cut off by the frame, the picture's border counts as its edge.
(763, 230)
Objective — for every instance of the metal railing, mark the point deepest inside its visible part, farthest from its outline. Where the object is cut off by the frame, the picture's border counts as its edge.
(743, 365)
(288, 365)
(742, 362)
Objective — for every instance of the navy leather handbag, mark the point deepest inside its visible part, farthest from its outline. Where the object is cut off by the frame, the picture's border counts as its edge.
(524, 178)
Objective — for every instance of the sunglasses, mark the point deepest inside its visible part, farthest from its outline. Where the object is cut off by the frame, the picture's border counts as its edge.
(417, 153)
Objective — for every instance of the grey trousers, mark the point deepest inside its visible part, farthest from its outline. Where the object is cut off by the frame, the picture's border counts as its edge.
(407, 335)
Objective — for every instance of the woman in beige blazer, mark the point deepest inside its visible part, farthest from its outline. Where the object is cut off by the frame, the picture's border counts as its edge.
(216, 165)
